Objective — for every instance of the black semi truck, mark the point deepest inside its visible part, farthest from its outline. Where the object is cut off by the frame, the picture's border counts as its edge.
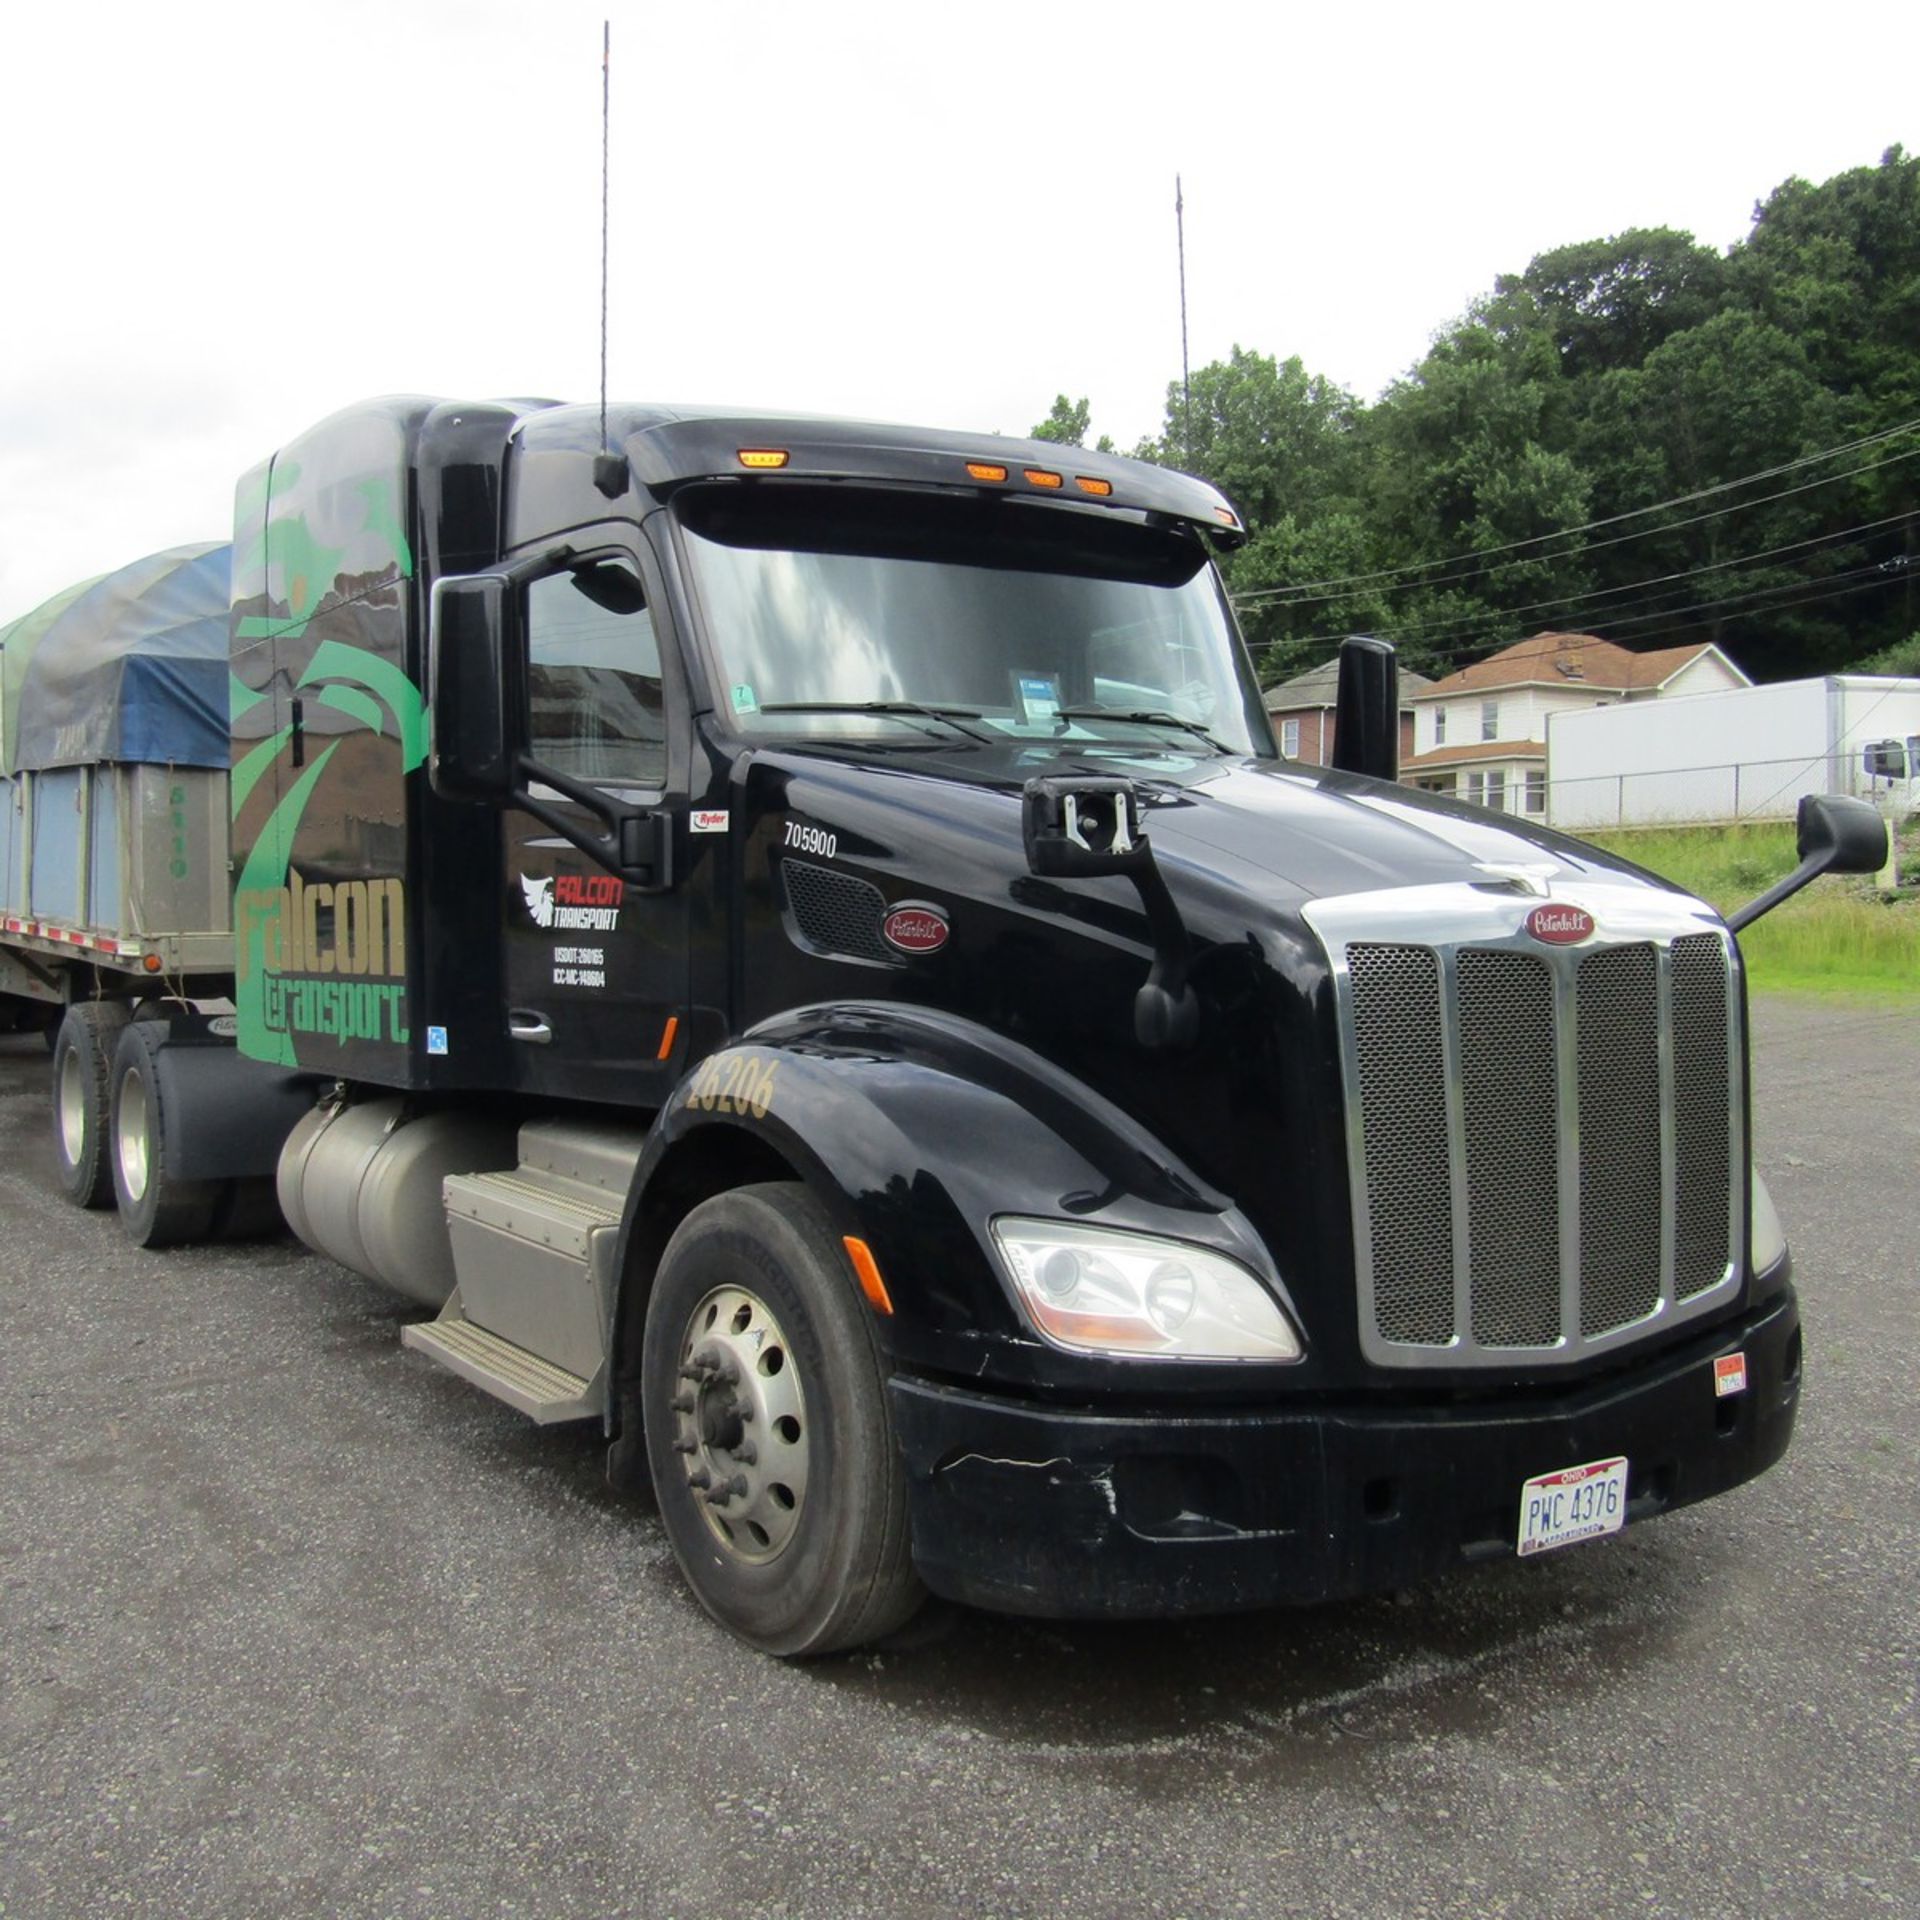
(793, 938)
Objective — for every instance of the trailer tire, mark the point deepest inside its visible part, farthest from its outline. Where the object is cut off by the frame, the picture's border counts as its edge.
(156, 1208)
(83, 1049)
(762, 1381)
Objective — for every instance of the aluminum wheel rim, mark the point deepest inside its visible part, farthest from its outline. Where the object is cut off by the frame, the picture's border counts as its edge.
(135, 1143)
(73, 1107)
(740, 1424)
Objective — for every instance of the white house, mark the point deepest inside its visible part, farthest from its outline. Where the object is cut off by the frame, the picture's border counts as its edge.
(1481, 734)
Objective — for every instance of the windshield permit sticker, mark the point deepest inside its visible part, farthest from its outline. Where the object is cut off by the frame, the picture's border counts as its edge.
(1037, 695)
(745, 700)
(710, 820)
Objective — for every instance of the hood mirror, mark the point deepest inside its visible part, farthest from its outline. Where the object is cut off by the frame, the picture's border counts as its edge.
(1837, 835)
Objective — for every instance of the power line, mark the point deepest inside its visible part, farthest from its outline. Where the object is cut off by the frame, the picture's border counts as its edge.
(1821, 590)
(1309, 589)
(1494, 617)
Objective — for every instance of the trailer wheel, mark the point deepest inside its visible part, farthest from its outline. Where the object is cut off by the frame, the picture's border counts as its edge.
(764, 1404)
(156, 1209)
(83, 1098)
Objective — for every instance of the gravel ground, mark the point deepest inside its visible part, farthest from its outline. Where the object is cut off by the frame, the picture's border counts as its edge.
(291, 1621)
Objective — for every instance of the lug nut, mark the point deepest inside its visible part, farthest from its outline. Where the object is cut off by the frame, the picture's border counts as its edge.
(747, 1452)
(699, 1477)
(685, 1446)
(682, 1403)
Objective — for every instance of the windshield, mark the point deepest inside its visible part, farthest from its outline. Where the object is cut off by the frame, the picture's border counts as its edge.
(900, 620)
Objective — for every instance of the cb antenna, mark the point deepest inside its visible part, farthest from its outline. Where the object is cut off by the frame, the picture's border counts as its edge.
(609, 468)
(1186, 382)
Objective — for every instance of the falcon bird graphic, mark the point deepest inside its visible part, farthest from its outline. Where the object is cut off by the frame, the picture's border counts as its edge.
(539, 897)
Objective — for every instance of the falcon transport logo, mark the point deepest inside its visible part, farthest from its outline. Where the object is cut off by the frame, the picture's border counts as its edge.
(573, 902)
(1560, 926)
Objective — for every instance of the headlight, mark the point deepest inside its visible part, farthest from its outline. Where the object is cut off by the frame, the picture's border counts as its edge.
(1769, 1237)
(1128, 1296)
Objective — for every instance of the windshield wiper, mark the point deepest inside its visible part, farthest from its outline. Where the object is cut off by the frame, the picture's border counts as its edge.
(1143, 717)
(889, 709)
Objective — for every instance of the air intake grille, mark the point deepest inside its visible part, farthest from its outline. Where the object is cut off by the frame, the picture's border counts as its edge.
(1544, 1142)
(835, 913)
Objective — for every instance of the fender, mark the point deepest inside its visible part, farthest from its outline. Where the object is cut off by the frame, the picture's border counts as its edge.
(228, 1116)
(917, 1128)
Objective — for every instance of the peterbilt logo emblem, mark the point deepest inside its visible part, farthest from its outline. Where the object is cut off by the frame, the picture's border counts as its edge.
(1560, 926)
(915, 927)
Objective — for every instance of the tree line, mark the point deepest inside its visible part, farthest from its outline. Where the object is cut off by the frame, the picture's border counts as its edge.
(1638, 437)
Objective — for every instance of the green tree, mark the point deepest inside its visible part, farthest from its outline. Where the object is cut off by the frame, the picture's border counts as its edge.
(1609, 303)
(1067, 425)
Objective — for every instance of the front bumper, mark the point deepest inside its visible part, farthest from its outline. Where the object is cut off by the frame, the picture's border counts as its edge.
(1083, 1515)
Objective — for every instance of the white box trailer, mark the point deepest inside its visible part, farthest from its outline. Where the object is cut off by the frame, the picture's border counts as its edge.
(1747, 753)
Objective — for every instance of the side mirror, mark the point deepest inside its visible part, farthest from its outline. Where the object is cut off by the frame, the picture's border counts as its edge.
(1837, 835)
(474, 654)
(1366, 723)
(1081, 827)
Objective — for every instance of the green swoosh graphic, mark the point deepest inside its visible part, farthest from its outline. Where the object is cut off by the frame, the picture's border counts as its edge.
(335, 660)
(267, 868)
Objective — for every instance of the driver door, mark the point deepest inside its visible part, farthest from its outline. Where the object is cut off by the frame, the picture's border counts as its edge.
(596, 970)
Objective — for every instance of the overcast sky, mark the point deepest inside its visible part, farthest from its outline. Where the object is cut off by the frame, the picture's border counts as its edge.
(223, 222)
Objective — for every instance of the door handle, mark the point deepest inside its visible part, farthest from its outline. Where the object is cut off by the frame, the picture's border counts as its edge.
(533, 1029)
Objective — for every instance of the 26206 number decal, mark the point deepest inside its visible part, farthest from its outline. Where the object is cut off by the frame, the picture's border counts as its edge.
(734, 1083)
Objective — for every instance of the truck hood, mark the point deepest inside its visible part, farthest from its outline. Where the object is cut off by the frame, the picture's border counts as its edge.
(1273, 832)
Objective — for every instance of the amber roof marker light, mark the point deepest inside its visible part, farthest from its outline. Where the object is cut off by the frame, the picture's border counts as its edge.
(986, 470)
(1040, 477)
(1100, 489)
(763, 459)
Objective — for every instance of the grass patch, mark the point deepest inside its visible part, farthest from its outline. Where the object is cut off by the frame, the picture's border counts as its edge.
(1841, 935)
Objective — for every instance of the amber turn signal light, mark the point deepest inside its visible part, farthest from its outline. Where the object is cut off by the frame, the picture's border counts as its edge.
(762, 457)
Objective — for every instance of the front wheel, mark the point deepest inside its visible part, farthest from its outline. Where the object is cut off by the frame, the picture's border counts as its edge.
(157, 1208)
(764, 1405)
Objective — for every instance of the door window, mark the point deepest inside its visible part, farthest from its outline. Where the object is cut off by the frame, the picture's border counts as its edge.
(594, 677)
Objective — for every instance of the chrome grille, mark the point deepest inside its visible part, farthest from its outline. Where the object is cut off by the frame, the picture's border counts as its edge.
(1545, 1141)
(1618, 997)
(1507, 1089)
(1702, 1118)
(1396, 993)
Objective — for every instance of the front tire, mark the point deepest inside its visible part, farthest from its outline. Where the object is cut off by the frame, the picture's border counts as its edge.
(763, 1399)
(83, 1050)
(157, 1209)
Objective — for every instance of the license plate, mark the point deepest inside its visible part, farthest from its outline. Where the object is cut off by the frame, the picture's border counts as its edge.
(1577, 1503)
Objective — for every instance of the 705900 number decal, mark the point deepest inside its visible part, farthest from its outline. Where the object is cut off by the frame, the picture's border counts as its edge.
(734, 1083)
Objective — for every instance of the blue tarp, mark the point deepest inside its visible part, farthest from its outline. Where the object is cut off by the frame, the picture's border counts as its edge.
(131, 667)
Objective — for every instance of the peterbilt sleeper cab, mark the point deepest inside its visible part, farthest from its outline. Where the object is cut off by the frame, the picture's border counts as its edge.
(808, 955)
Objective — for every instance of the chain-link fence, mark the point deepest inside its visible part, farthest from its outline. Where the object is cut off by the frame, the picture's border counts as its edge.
(1712, 795)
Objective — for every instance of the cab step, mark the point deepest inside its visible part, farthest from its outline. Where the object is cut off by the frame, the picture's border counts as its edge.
(545, 1393)
(533, 1260)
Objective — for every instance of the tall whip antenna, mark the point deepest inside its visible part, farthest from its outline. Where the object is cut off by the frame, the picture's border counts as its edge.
(609, 468)
(1186, 383)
